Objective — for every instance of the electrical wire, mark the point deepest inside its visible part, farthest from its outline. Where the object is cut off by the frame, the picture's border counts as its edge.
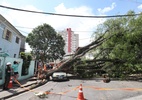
(24, 27)
(56, 30)
(79, 39)
(134, 1)
(68, 15)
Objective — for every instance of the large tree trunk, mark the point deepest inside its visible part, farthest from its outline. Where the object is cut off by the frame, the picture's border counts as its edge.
(80, 52)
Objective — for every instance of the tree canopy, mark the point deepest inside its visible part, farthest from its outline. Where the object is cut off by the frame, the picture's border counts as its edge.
(46, 44)
(123, 51)
(117, 48)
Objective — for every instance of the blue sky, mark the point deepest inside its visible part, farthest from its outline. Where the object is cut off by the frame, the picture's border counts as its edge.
(82, 26)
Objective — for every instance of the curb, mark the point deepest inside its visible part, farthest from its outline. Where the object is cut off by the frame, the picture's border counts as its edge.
(32, 86)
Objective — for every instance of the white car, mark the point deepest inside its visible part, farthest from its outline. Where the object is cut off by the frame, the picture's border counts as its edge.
(59, 76)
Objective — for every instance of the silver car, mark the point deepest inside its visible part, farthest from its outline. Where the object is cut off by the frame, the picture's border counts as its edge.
(59, 76)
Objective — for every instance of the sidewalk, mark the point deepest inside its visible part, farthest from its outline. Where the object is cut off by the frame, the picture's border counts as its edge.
(27, 84)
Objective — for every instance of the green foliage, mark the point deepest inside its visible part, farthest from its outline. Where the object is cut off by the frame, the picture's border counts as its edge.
(46, 44)
(86, 68)
(124, 45)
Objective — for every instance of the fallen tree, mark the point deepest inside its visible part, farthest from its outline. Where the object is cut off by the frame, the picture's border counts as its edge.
(81, 52)
(117, 50)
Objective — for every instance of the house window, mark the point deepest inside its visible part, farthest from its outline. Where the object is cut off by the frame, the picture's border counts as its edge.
(17, 40)
(7, 35)
(14, 55)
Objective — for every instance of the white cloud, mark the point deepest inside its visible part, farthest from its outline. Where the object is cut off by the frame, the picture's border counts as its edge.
(79, 25)
(107, 9)
(140, 6)
(28, 49)
(3, 2)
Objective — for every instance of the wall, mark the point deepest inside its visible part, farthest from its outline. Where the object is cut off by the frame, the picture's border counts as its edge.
(31, 71)
(3, 62)
(10, 47)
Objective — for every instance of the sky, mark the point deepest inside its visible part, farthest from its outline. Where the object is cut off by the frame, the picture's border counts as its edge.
(26, 21)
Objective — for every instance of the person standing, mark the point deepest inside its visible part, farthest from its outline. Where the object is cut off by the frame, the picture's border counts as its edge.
(15, 69)
(7, 76)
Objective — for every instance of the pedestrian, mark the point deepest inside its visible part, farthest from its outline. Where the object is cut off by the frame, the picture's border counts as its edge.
(7, 76)
(15, 70)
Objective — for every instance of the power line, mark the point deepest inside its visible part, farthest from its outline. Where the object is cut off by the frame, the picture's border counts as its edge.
(134, 1)
(56, 30)
(79, 39)
(24, 27)
(66, 14)
(23, 31)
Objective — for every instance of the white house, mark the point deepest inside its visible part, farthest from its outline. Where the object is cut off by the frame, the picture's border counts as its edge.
(12, 41)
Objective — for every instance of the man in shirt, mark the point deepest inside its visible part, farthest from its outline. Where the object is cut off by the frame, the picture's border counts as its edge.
(7, 76)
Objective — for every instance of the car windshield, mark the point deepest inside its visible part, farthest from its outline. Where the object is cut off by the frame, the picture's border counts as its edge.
(59, 73)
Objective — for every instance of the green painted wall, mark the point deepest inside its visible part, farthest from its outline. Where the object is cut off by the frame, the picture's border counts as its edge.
(4, 60)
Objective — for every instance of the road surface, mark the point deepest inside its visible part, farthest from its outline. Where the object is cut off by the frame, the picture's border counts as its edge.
(92, 90)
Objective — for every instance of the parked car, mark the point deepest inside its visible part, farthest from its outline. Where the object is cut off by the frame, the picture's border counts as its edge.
(59, 76)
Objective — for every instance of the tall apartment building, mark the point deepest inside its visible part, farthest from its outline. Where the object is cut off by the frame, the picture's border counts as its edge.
(71, 40)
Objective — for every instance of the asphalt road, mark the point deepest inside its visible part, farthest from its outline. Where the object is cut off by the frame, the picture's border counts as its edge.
(92, 90)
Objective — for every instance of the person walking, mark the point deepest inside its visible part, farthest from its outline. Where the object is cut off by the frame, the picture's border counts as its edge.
(7, 76)
(15, 70)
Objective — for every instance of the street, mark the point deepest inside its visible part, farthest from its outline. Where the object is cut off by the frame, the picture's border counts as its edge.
(92, 90)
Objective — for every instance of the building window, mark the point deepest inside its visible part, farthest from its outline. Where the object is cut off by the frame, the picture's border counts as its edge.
(17, 40)
(7, 35)
(14, 55)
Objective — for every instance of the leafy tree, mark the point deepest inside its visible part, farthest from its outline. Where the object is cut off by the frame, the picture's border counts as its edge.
(71, 62)
(125, 47)
(117, 47)
(46, 44)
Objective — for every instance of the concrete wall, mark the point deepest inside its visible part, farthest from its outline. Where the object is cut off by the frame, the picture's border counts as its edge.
(3, 62)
